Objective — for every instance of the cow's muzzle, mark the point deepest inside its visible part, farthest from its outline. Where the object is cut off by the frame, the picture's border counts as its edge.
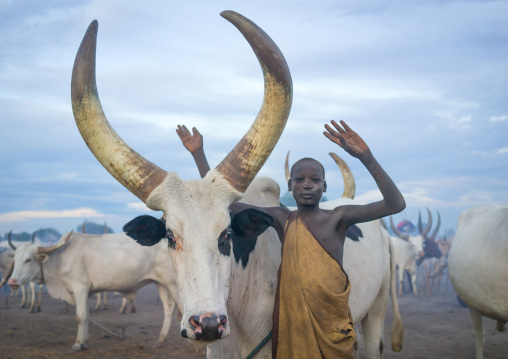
(13, 283)
(207, 327)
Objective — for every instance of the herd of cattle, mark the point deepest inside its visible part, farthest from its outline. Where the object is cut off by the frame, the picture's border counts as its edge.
(212, 267)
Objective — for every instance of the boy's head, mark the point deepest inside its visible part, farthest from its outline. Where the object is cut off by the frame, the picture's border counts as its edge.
(307, 182)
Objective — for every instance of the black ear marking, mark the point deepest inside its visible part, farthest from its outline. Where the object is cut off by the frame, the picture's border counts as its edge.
(146, 230)
(250, 222)
(354, 233)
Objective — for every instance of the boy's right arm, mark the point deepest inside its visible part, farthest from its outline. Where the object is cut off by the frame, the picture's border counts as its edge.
(194, 144)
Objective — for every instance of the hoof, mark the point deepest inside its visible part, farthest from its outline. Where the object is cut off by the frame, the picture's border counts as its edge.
(77, 347)
(156, 345)
(133, 310)
(38, 310)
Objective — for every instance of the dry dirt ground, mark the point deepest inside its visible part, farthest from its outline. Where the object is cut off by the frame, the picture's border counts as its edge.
(435, 328)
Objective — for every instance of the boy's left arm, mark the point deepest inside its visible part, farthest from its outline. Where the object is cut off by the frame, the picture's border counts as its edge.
(392, 202)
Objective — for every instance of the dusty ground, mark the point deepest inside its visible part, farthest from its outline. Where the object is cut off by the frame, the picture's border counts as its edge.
(439, 328)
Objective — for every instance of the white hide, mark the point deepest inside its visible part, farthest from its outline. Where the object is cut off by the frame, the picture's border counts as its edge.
(90, 264)
(252, 289)
(405, 256)
(196, 211)
(478, 265)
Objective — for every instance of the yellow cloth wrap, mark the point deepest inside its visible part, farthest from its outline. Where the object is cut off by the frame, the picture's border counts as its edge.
(314, 316)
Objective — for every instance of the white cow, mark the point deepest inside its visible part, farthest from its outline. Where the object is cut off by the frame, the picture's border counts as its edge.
(80, 265)
(478, 265)
(8, 262)
(196, 218)
(405, 256)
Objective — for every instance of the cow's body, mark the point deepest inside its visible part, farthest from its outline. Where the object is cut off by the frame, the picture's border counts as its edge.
(405, 255)
(89, 264)
(478, 267)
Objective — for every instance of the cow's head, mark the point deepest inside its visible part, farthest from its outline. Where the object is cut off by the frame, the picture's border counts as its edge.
(196, 221)
(28, 259)
(417, 242)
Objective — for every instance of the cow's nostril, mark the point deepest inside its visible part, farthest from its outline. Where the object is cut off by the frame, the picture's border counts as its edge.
(195, 323)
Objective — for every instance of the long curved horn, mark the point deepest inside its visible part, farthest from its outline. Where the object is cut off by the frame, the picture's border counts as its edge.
(9, 273)
(33, 238)
(132, 170)
(347, 175)
(397, 232)
(429, 225)
(60, 244)
(83, 230)
(420, 226)
(286, 169)
(10, 242)
(242, 164)
(434, 233)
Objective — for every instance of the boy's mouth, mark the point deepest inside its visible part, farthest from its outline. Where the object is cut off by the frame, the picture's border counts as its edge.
(307, 195)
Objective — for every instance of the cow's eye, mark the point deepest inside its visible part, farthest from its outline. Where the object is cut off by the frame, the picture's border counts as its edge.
(224, 242)
(171, 239)
(28, 260)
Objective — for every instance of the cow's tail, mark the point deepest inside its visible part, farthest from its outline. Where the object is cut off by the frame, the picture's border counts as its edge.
(397, 329)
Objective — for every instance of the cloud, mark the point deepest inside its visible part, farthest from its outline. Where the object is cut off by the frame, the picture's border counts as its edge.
(139, 206)
(498, 118)
(498, 151)
(69, 213)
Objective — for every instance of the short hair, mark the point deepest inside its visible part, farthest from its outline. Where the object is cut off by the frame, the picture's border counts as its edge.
(308, 159)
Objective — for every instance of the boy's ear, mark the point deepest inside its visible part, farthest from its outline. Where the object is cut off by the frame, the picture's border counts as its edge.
(289, 185)
(146, 230)
(325, 186)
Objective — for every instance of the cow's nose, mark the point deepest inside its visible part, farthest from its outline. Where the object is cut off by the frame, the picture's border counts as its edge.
(208, 326)
(13, 283)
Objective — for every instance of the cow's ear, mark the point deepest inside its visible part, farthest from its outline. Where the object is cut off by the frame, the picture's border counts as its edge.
(42, 257)
(250, 222)
(146, 230)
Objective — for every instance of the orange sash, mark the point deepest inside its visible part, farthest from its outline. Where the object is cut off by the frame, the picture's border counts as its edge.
(314, 320)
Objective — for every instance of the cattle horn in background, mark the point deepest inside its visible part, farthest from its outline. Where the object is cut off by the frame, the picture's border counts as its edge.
(83, 230)
(105, 228)
(347, 175)
(425, 231)
(397, 232)
(141, 176)
(436, 230)
(33, 237)
(10, 242)
(60, 244)
(286, 169)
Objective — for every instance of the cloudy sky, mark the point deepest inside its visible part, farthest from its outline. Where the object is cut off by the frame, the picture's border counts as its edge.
(425, 83)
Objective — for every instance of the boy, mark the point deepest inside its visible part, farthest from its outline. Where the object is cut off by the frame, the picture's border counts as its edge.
(311, 314)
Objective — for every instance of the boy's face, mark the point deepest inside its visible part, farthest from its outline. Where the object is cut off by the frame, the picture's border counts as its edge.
(307, 183)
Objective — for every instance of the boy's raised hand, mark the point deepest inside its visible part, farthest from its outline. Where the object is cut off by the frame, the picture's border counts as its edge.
(192, 142)
(346, 138)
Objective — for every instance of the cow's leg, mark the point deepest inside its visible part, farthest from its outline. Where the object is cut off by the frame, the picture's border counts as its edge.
(478, 331)
(23, 297)
(413, 280)
(32, 297)
(373, 325)
(124, 306)
(82, 314)
(168, 304)
(401, 279)
(105, 300)
(98, 303)
(41, 288)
